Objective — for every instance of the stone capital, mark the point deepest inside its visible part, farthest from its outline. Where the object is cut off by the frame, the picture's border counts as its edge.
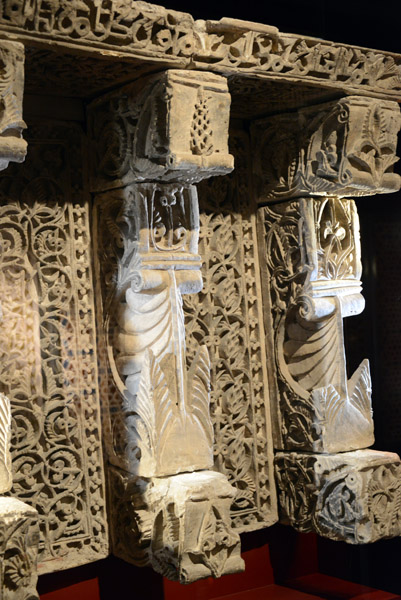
(167, 127)
(342, 148)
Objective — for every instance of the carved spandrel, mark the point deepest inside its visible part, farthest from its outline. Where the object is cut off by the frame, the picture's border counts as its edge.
(342, 148)
(12, 146)
(227, 316)
(311, 264)
(173, 126)
(48, 347)
(352, 497)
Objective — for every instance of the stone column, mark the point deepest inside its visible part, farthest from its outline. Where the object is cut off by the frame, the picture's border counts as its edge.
(19, 531)
(151, 142)
(307, 165)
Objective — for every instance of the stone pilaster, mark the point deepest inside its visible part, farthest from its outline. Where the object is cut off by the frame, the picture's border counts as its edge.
(151, 142)
(307, 165)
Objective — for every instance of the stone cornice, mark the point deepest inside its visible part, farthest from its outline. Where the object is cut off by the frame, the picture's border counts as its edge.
(137, 30)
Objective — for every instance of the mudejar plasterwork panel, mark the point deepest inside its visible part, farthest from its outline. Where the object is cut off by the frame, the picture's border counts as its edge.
(48, 347)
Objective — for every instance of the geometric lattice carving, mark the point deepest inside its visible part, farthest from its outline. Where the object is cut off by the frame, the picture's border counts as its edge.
(227, 316)
(343, 148)
(353, 497)
(47, 347)
(312, 268)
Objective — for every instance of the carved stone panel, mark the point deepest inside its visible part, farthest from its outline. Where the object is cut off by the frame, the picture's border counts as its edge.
(352, 496)
(227, 316)
(342, 148)
(19, 534)
(48, 347)
(311, 265)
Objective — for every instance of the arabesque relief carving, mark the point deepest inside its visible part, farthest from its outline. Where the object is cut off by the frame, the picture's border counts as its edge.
(169, 509)
(227, 316)
(327, 481)
(48, 346)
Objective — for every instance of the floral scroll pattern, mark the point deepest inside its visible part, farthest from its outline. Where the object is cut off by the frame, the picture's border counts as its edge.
(226, 317)
(47, 348)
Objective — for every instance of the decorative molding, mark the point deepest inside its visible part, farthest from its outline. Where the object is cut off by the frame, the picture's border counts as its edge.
(19, 539)
(12, 146)
(171, 511)
(48, 346)
(154, 34)
(311, 265)
(172, 126)
(227, 316)
(352, 497)
(340, 148)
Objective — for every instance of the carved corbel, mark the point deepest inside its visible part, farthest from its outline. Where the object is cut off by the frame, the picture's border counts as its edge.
(306, 165)
(12, 146)
(167, 508)
(19, 529)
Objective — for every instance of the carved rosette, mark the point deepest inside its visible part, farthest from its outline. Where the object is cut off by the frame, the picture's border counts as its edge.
(150, 142)
(306, 164)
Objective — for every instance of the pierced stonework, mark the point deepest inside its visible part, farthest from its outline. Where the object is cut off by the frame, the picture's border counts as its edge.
(343, 148)
(353, 497)
(311, 261)
(172, 126)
